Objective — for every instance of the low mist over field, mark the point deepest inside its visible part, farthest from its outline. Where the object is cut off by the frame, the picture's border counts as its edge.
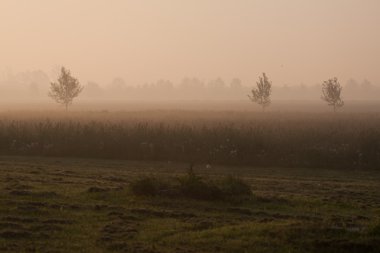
(29, 90)
(163, 126)
(34, 86)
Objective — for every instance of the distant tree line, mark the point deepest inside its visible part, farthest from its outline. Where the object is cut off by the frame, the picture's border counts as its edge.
(68, 87)
(37, 84)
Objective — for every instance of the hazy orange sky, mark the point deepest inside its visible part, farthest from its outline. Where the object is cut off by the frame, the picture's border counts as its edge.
(293, 41)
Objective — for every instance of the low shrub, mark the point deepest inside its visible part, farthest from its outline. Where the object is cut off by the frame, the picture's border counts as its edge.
(149, 186)
(233, 186)
(191, 186)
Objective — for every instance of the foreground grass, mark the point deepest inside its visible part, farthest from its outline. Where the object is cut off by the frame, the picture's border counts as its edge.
(73, 205)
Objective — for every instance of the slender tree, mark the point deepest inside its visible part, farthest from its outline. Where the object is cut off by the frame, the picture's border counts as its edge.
(261, 94)
(331, 91)
(65, 89)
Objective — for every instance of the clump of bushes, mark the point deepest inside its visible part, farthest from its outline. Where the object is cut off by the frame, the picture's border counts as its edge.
(233, 186)
(192, 186)
(195, 187)
(149, 186)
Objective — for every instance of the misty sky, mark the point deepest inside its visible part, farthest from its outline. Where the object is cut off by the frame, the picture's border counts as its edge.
(293, 41)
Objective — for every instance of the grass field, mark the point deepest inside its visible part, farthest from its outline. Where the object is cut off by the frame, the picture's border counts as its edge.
(84, 205)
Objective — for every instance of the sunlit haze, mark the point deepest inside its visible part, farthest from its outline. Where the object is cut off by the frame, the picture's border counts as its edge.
(294, 41)
(168, 126)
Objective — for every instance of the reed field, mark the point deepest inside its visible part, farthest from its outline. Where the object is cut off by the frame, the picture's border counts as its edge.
(271, 139)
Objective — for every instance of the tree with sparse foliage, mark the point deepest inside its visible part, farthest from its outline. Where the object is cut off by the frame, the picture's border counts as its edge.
(66, 89)
(331, 91)
(261, 94)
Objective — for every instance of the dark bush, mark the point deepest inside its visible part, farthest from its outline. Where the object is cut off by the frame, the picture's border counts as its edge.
(149, 186)
(193, 186)
(233, 186)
